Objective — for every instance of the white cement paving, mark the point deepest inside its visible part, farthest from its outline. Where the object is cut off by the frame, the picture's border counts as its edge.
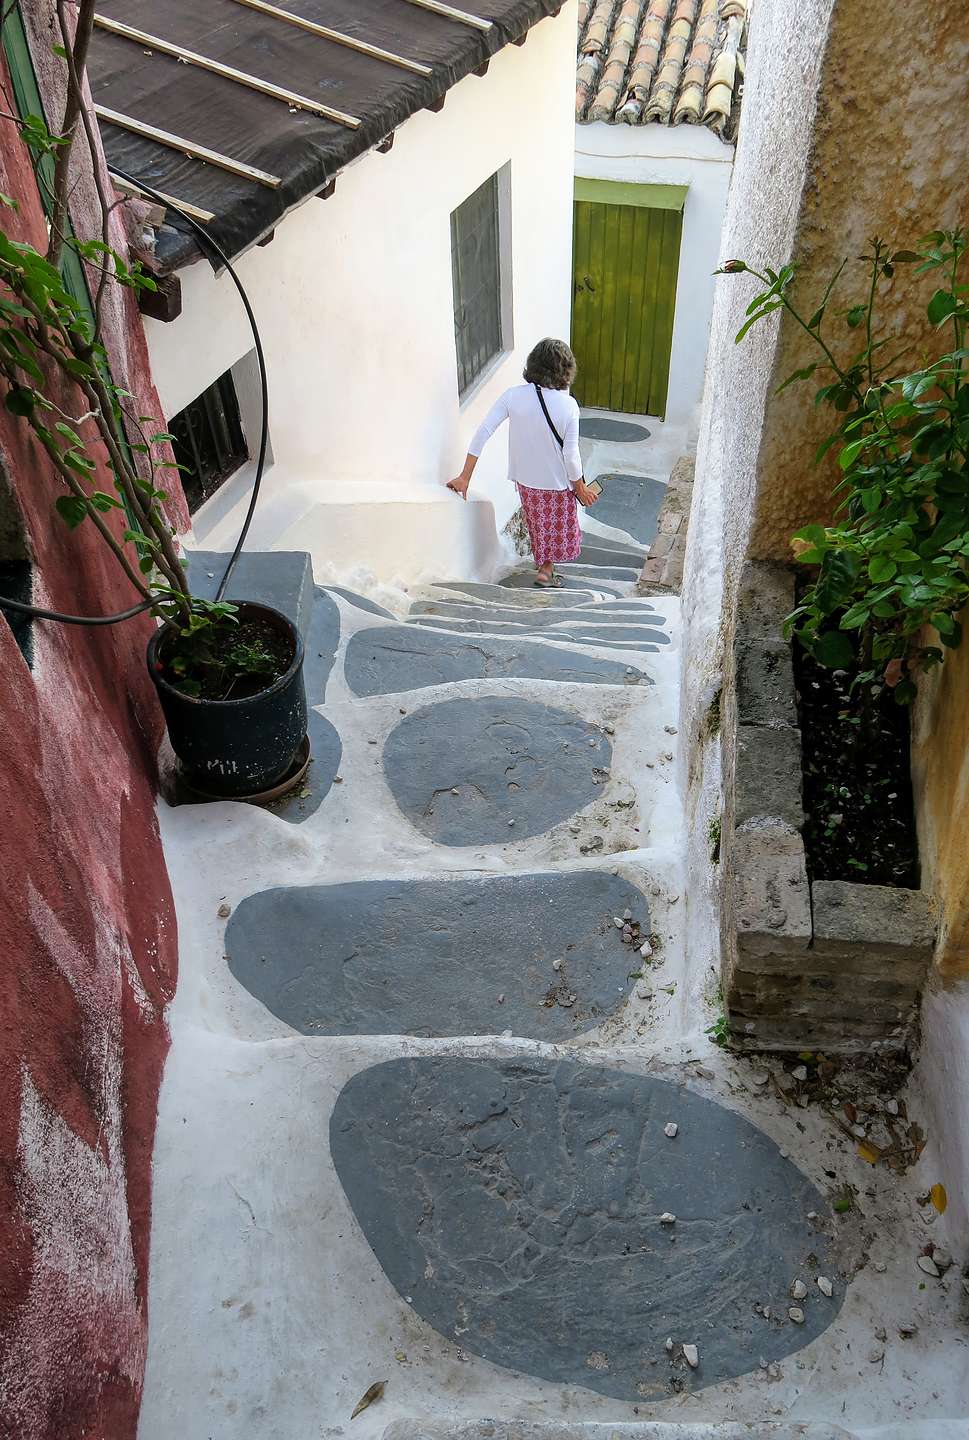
(269, 1315)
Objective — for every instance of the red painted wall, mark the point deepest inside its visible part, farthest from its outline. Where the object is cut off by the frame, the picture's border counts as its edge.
(88, 947)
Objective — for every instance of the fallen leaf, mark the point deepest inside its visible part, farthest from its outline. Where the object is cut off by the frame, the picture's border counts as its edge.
(939, 1198)
(369, 1397)
(850, 1112)
(869, 1152)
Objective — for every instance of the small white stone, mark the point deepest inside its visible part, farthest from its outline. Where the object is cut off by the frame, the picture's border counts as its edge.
(667, 755)
(880, 1266)
(669, 1343)
(556, 964)
(891, 1107)
(645, 949)
(609, 729)
(812, 1214)
(796, 1314)
(618, 921)
(506, 1034)
(800, 1072)
(928, 1265)
(875, 1355)
(825, 1286)
(501, 999)
(592, 743)
(455, 790)
(615, 870)
(670, 729)
(760, 1077)
(766, 1312)
(643, 992)
(907, 1328)
(224, 911)
(511, 822)
(798, 1290)
(670, 1130)
(692, 1356)
(627, 914)
(859, 1131)
(881, 1334)
(942, 1259)
(667, 1219)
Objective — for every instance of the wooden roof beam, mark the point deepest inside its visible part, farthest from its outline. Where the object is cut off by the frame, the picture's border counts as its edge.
(187, 147)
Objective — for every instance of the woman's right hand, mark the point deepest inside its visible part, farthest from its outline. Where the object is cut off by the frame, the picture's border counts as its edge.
(460, 485)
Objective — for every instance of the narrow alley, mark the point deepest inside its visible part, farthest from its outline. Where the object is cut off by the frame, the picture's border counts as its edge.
(443, 1108)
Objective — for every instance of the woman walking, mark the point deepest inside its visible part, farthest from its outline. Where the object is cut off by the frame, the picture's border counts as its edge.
(543, 457)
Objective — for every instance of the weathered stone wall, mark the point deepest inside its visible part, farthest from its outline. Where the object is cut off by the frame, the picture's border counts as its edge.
(887, 159)
(822, 965)
(88, 938)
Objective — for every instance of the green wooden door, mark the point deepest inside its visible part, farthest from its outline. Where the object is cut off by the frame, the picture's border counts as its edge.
(627, 255)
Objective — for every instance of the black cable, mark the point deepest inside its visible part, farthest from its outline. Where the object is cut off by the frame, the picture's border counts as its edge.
(216, 248)
(36, 613)
(33, 610)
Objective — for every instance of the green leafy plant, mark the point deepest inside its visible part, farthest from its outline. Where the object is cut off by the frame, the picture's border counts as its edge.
(719, 1031)
(892, 572)
(51, 347)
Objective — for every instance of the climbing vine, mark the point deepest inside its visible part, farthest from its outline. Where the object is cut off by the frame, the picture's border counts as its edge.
(892, 572)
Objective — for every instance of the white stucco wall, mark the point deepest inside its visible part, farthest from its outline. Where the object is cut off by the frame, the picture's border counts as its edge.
(684, 155)
(353, 298)
(783, 69)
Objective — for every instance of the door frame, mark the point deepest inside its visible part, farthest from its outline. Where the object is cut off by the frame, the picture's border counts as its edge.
(641, 195)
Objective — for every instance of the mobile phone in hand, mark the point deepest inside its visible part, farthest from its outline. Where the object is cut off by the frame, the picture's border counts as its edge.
(594, 487)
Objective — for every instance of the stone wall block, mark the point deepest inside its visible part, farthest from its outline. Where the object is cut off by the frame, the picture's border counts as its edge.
(767, 775)
(893, 924)
(772, 905)
(765, 682)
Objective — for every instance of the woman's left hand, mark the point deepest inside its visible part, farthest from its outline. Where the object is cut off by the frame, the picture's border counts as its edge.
(583, 494)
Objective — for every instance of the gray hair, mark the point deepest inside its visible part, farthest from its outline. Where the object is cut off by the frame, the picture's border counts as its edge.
(551, 364)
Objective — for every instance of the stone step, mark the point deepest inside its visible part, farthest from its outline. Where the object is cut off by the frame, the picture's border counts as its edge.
(674, 1430)
(645, 1430)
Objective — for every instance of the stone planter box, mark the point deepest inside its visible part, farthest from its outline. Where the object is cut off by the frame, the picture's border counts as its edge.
(832, 965)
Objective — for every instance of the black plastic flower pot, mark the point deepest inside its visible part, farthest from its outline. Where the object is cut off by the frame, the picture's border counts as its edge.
(232, 748)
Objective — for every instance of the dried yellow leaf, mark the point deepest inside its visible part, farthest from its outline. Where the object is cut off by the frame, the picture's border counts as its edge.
(939, 1198)
(871, 1153)
(369, 1397)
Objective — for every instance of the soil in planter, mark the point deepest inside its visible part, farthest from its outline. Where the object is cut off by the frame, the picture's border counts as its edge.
(860, 820)
(221, 679)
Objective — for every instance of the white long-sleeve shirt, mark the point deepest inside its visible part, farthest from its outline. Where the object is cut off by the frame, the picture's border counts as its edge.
(534, 457)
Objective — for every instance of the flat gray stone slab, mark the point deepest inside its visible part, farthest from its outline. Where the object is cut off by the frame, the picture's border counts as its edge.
(322, 638)
(529, 619)
(612, 573)
(431, 957)
(489, 770)
(405, 657)
(280, 578)
(601, 554)
(326, 750)
(604, 634)
(522, 597)
(639, 1430)
(598, 427)
(525, 580)
(362, 602)
(631, 503)
(517, 1206)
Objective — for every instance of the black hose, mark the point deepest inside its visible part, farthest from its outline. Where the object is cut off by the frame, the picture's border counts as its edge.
(34, 611)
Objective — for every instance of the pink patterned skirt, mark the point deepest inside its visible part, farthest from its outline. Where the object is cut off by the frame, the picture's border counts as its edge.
(552, 519)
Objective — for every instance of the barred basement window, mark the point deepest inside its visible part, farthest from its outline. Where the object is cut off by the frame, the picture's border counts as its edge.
(209, 441)
(16, 571)
(476, 273)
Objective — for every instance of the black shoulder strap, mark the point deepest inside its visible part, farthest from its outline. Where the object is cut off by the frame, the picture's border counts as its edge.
(541, 401)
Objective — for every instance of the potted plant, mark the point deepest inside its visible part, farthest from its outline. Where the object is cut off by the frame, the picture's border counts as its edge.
(229, 676)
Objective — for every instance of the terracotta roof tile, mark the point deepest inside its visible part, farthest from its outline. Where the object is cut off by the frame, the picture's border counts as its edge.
(673, 62)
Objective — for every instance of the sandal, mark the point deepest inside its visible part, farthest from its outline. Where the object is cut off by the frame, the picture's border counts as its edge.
(555, 583)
